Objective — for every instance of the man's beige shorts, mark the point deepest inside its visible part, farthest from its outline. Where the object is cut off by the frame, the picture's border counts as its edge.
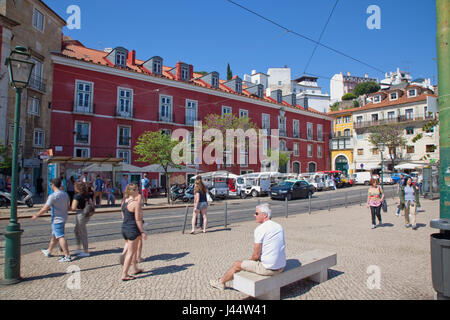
(258, 268)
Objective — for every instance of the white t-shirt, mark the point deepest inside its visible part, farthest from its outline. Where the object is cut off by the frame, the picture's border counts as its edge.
(271, 235)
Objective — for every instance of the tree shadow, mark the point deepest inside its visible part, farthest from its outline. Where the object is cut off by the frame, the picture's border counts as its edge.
(166, 257)
(165, 270)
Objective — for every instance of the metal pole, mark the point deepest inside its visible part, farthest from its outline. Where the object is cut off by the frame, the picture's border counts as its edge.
(185, 219)
(226, 215)
(286, 206)
(329, 202)
(13, 232)
(309, 196)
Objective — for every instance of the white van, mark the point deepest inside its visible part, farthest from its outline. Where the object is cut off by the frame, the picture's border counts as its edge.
(362, 177)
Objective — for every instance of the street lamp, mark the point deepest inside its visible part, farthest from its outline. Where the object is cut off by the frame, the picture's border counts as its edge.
(20, 67)
(381, 146)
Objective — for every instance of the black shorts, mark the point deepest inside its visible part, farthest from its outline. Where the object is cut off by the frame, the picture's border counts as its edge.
(130, 233)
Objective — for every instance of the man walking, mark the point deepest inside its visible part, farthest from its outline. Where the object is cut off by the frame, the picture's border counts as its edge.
(269, 257)
(145, 184)
(58, 201)
(99, 187)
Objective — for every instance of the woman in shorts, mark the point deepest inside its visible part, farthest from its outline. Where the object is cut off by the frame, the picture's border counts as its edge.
(200, 203)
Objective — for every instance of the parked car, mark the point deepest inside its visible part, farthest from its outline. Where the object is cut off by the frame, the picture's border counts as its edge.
(396, 176)
(256, 184)
(292, 189)
(362, 177)
(219, 190)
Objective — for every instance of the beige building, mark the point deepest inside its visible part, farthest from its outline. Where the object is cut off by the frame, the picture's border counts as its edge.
(403, 106)
(33, 25)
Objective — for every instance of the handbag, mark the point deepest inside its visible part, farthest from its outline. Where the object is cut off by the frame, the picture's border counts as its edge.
(384, 206)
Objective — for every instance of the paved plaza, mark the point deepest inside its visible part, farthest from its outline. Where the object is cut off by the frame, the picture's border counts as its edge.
(178, 267)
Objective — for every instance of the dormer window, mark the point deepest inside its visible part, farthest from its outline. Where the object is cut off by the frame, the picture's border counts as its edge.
(376, 99)
(393, 96)
(121, 59)
(184, 73)
(154, 65)
(260, 91)
(238, 86)
(279, 96)
(411, 93)
(215, 80)
(157, 67)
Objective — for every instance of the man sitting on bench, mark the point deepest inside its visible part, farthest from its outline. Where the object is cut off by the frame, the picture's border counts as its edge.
(268, 256)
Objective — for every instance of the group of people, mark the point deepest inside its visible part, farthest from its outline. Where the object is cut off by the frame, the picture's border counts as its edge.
(409, 201)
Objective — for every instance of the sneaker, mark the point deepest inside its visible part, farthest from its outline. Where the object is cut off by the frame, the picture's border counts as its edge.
(78, 252)
(407, 225)
(397, 214)
(65, 259)
(380, 224)
(83, 254)
(217, 284)
(374, 226)
(414, 227)
(46, 253)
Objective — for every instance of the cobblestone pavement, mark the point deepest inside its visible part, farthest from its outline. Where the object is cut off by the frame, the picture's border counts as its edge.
(178, 267)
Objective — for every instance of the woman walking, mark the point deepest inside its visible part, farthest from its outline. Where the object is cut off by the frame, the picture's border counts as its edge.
(132, 229)
(80, 200)
(375, 199)
(200, 204)
(409, 198)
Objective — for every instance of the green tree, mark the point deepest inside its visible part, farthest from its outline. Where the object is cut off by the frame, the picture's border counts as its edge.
(391, 136)
(366, 88)
(155, 147)
(229, 72)
(335, 106)
(348, 96)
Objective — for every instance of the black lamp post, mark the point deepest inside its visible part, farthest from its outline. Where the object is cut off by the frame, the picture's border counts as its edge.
(20, 67)
(381, 146)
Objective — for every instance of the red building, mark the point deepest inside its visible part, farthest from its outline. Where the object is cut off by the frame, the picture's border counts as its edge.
(104, 100)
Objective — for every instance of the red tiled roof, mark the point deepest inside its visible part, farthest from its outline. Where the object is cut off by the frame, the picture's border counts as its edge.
(75, 50)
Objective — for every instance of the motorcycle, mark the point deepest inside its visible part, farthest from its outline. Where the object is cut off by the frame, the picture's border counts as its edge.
(177, 192)
(24, 196)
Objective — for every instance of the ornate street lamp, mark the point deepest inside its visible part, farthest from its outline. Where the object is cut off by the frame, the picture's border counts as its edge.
(381, 146)
(20, 67)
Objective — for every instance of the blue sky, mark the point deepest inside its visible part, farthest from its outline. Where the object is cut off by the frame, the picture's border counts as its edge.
(211, 33)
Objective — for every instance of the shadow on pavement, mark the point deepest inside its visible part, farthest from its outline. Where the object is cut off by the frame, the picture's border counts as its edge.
(166, 257)
(45, 276)
(385, 225)
(165, 270)
(103, 252)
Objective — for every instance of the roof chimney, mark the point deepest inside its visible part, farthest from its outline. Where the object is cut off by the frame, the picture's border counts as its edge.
(131, 59)
(253, 72)
(349, 74)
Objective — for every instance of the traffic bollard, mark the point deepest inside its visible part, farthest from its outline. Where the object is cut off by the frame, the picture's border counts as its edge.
(226, 214)
(286, 206)
(185, 219)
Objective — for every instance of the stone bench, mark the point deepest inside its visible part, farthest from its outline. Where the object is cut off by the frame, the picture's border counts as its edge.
(311, 264)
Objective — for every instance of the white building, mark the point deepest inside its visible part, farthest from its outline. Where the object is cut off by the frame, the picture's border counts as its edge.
(397, 77)
(406, 108)
(341, 84)
(306, 89)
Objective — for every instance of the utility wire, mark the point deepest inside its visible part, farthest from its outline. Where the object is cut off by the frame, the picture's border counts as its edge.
(320, 37)
(307, 38)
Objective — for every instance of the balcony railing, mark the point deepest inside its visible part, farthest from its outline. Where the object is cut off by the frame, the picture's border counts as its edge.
(166, 117)
(124, 114)
(84, 110)
(341, 143)
(37, 83)
(282, 132)
(392, 120)
(124, 141)
(81, 138)
(189, 121)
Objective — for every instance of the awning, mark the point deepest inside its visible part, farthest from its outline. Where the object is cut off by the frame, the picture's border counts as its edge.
(61, 159)
(108, 167)
(158, 168)
(409, 166)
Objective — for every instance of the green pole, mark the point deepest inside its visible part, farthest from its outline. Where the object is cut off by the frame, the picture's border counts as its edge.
(443, 64)
(13, 232)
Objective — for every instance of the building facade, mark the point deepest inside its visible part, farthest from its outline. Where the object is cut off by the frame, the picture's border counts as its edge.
(33, 25)
(341, 84)
(406, 108)
(103, 101)
(342, 141)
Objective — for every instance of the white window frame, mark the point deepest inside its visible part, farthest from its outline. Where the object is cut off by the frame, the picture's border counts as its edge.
(338, 120)
(319, 152)
(243, 112)
(11, 134)
(121, 58)
(119, 127)
(309, 148)
(169, 108)
(282, 130)
(226, 110)
(82, 148)
(128, 158)
(243, 156)
(41, 135)
(296, 128)
(309, 129)
(412, 113)
(184, 73)
(91, 97)
(377, 99)
(38, 27)
(75, 135)
(214, 81)
(128, 113)
(296, 149)
(412, 95)
(265, 122)
(157, 66)
(390, 96)
(192, 110)
(34, 106)
(389, 113)
(319, 132)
